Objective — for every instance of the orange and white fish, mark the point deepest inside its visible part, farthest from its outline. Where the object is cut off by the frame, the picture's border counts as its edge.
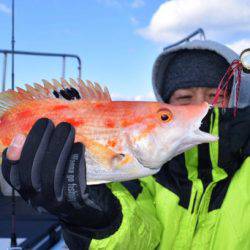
(124, 139)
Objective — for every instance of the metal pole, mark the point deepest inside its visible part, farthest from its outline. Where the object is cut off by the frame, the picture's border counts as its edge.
(186, 39)
(33, 53)
(13, 46)
(63, 66)
(13, 216)
(4, 70)
(202, 34)
(79, 67)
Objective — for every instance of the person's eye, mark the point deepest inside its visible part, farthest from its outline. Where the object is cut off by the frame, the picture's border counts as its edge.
(184, 97)
(184, 100)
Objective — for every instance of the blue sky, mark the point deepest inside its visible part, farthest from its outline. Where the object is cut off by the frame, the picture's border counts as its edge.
(117, 40)
(102, 33)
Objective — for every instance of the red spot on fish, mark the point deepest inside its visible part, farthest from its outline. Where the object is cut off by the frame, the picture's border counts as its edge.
(24, 114)
(26, 126)
(74, 122)
(6, 141)
(112, 143)
(99, 105)
(59, 107)
(126, 123)
(136, 120)
(109, 123)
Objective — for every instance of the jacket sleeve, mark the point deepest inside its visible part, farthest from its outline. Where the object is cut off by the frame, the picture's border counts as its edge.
(138, 229)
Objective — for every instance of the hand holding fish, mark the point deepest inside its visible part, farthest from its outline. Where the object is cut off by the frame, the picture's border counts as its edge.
(35, 168)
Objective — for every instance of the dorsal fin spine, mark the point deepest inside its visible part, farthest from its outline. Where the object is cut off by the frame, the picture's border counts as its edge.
(89, 91)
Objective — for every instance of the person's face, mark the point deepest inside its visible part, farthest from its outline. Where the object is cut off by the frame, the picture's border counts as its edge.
(196, 96)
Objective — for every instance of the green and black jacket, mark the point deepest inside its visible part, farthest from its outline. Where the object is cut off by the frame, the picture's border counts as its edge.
(199, 200)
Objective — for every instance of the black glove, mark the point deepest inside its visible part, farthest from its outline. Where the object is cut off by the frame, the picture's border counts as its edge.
(51, 176)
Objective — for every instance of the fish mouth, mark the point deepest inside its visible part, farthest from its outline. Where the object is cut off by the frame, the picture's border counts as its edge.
(195, 136)
(204, 137)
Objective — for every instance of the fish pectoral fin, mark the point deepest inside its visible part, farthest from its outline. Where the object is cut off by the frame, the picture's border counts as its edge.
(104, 155)
(113, 160)
(120, 160)
(107, 157)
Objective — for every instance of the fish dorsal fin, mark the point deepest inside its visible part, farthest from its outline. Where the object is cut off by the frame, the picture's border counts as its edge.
(89, 91)
(57, 89)
(79, 89)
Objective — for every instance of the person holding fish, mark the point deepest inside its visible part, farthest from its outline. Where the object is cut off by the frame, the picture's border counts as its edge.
(198, 199)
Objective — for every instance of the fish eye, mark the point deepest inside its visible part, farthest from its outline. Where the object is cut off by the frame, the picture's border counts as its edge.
(165, 115)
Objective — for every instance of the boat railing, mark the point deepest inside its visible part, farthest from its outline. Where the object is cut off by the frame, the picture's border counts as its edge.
(34, 53)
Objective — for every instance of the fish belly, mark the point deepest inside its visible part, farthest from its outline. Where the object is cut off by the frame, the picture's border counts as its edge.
(98, 174)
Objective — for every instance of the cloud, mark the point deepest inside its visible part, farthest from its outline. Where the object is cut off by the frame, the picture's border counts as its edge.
(137, 4)
(240, 45)
(147, 97)
(4, 8)
(144, 97)
(221, 20)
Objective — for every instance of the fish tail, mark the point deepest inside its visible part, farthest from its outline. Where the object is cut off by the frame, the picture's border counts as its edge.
(11, 98)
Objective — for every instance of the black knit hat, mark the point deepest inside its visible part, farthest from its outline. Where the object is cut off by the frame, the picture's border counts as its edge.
(192, 68)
